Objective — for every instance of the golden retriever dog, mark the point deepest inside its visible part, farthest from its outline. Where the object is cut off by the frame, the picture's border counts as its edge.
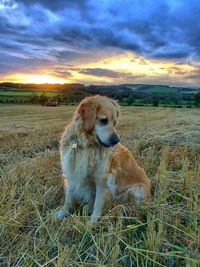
(98, 169)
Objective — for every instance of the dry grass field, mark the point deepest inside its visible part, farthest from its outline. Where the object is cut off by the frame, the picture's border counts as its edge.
(165, 232)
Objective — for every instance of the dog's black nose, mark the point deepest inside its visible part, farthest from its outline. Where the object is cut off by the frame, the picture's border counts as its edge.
(114, 139)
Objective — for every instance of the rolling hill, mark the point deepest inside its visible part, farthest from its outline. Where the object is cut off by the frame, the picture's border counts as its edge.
(129, 93)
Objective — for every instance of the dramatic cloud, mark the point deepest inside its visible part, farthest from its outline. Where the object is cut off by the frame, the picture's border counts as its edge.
(47, 35)
(99, 72)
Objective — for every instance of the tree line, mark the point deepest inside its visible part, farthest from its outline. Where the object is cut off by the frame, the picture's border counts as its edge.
(137, 99)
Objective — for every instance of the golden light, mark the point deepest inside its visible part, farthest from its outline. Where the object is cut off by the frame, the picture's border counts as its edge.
(132, 63)
(34, 78)
(141, 68)
(147, 70)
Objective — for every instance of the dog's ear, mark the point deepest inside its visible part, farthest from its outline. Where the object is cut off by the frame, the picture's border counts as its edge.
(88, 111)
(114, 102)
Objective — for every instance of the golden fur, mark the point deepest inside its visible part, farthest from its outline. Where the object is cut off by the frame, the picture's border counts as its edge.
(96, 166)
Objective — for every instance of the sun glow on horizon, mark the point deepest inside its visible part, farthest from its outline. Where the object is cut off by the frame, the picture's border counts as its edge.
(121, 68)
(34, 78)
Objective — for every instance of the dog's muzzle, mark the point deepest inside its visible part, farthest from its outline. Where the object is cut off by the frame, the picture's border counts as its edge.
(113, 140)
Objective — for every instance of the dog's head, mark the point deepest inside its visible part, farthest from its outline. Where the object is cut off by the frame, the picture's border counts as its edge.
(99, 117)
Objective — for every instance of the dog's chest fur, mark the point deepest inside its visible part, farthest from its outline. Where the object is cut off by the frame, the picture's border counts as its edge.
(83, 168)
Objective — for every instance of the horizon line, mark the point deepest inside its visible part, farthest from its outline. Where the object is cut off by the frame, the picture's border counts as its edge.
(107, 84)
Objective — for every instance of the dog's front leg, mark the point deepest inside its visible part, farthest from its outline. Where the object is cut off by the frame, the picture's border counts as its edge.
(98, 204)
(65, 210)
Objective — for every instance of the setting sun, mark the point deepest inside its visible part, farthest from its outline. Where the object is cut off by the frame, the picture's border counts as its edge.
(34, 78)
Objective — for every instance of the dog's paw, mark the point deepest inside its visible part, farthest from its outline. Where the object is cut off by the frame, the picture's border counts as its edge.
(94, 220)
(88, 209)
(60, 214)
(92, 223)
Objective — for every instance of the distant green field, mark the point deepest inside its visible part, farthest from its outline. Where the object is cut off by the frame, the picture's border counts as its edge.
(28, 93)
(163, 89)
(168, 90)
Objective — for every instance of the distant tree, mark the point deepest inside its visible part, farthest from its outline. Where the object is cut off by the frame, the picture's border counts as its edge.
(155, 102)
(176, 101)
(197, 99)
(167, 101)
(128, 101)
(43, 99)
(147, 100)
(34, 99)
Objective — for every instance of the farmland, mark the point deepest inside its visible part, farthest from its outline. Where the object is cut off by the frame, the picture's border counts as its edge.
(127, 94)
(160, 89)
(163, 232)
(27, 93)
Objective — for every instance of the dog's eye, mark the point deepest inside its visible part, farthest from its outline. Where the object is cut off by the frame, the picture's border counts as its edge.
(104, 121)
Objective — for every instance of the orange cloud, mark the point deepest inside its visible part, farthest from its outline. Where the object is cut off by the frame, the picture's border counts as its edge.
(122, 68)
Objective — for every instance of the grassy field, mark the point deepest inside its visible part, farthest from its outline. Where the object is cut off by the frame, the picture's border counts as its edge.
(28, 93)
(168, 90)
(162, 89)
(163, 232)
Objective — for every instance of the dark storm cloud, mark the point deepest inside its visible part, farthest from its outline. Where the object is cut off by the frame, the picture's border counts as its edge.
(56, 5)
(171, 55)
(66, 55)
(99, 72)
(69, 30)
(61, 73)
(14, 63)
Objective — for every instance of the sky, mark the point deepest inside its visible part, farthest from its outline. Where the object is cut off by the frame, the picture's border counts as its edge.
(100, 41)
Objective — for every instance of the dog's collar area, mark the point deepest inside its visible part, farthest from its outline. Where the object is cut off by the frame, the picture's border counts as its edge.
(74, 146)
(101, 143)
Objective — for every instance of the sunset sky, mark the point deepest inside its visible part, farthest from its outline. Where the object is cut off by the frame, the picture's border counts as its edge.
(100, 42)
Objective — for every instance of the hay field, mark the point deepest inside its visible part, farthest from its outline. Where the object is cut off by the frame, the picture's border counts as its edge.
(164, 232)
